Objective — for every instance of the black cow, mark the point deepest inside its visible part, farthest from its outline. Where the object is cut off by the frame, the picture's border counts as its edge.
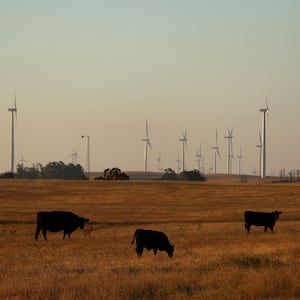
(261, 219)
(151, 239)
(57, 221)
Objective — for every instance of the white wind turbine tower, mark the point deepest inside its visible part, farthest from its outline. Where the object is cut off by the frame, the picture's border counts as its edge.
(239, 157)
(259, 146)
(22, 160)
(199, 158)
(229, 151)
(264, 111)
(178, 160)
(74, 156)
(159, 168)
(88, 156)
(146, 140)
(217, 152)
(13, 111)
(183, 140)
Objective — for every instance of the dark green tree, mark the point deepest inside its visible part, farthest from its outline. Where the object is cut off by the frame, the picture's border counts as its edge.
(193, 175)
(59, 170)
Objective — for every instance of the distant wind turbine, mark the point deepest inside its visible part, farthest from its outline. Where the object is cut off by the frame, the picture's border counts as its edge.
(146, 140)
(259, 146)
(229, 150)
(178, 160)
(264, 111)
(217, 152)
(159, 168)
(183, 140)
(239, 157)
(22, 160)
(13, 111)
(74, 156)
(199, 158)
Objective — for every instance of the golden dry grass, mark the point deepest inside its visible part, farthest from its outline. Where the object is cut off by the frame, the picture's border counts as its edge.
(214, 257)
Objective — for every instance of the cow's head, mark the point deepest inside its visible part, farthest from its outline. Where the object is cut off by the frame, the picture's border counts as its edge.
(276, 214)
(170, 250)
(82, 221)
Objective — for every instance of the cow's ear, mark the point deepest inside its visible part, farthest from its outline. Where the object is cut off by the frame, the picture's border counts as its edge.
(173, 246)
(86, 220)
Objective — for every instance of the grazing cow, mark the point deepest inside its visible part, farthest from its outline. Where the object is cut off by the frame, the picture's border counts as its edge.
(151, 239)
(57, 221)
(261, 219)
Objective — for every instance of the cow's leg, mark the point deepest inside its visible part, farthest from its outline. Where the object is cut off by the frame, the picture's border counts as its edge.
(271, 229)
(248, 228)
(155, 251)
(139, 250)
(45, 234)
(37, 232)
(266, 228)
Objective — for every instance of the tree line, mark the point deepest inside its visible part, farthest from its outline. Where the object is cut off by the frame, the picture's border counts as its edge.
(53, 170)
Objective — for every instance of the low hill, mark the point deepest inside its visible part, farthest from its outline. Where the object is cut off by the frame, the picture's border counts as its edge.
(217, 178)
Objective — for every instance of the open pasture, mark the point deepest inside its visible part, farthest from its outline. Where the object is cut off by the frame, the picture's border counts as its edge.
(214, 257)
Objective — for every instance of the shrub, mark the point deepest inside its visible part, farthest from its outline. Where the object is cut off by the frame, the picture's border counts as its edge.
(194, 175)
(113, 174)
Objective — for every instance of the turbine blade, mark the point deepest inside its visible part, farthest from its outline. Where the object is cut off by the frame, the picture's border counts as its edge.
(147, 132)
(260, 139)
(266, 97)
(15, 108)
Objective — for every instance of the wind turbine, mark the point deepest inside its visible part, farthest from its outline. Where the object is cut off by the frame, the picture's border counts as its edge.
(159, 168)
(178, 160)
(259, 146)
(13, 111)
(229, 151)
(217, 152)
(239, 158)
(264, 111)
(74, 156)
(146, 140)
(183, 140)
(88, 161)
(22, 160)
(199, 157)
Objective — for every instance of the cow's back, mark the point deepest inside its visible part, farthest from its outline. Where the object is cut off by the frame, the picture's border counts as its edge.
(152, 238)
(256, 218)
(259, 218)
(56, 220)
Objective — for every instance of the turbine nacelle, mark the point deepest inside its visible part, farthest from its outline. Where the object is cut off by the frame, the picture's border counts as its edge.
(264, 110)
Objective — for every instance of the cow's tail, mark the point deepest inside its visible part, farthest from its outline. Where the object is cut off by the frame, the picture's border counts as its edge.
(134, 236)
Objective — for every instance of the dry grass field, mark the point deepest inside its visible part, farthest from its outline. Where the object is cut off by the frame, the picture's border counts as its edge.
(214, 257)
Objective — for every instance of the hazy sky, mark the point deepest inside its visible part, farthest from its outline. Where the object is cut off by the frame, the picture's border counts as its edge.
(100, 68)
